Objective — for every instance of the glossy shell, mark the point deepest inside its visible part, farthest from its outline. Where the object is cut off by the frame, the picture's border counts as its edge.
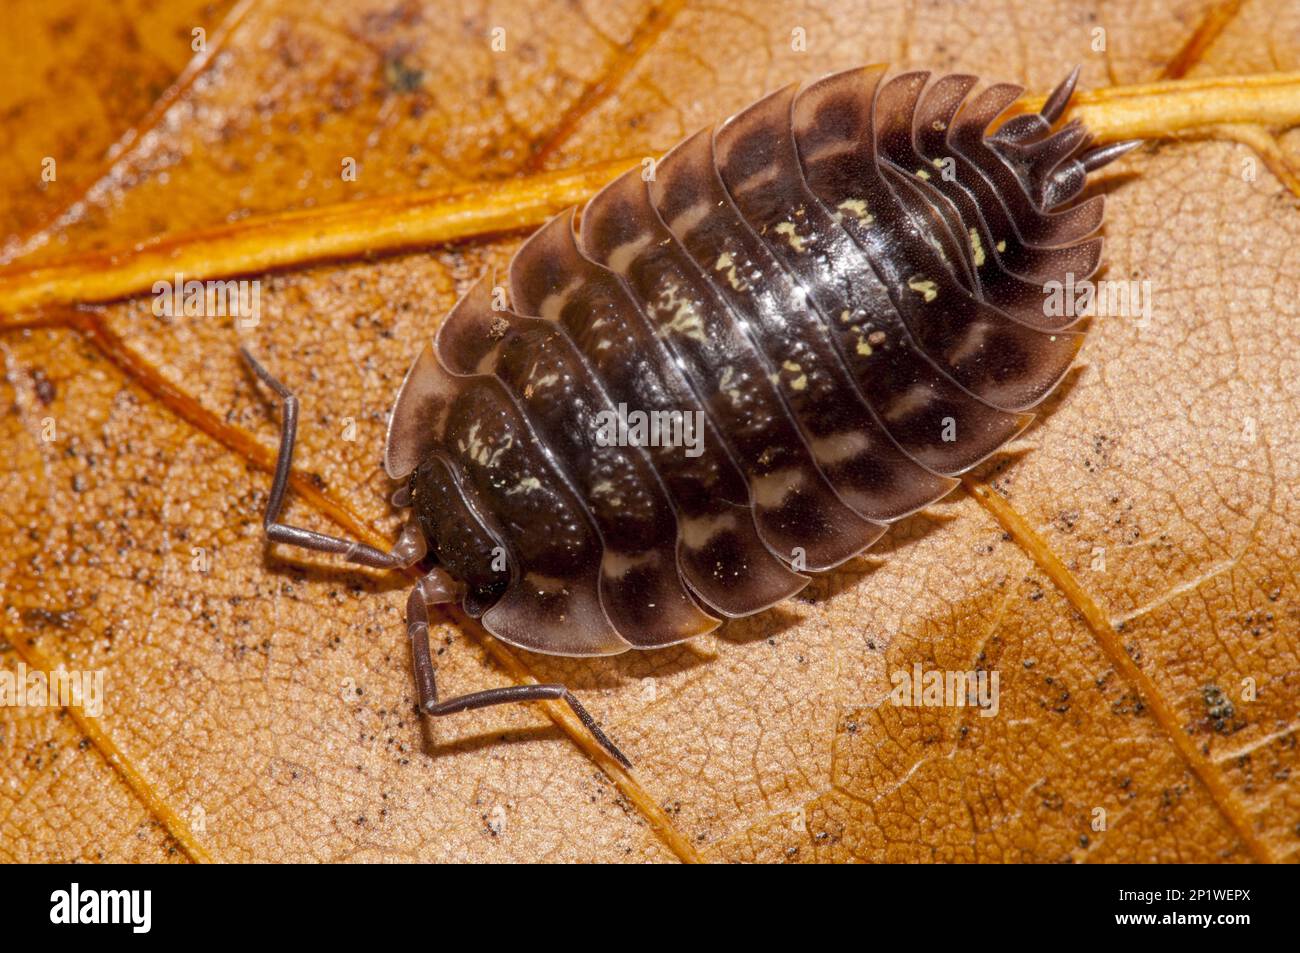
(844, 283)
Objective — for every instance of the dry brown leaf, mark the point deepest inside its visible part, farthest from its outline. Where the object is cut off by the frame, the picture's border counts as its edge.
(1124, 576)
(77, 77)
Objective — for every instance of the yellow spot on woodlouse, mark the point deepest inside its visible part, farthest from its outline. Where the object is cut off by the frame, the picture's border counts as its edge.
(480, 452)
(865, 345)
(922, 174)
(1001, 246)
(728, 385)
(524, 485)
(726, 263)
(858, 209)
(922, 286)
(800, 382)
(976, 247)
(791, 235)
(685, 319)
(608, 492)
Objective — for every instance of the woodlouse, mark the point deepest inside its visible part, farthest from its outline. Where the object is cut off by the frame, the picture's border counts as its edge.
(843, 284)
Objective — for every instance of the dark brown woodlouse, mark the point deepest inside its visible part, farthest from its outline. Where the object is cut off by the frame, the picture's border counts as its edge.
(841, 285)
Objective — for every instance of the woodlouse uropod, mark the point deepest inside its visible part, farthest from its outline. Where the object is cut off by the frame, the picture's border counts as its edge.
(845, 282)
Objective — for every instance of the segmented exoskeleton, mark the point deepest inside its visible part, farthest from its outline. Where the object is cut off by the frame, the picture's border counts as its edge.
(843, 285)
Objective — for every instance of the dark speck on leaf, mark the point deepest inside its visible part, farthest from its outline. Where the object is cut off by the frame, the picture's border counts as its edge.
(402, 78)
(45, 390)
(49, 618)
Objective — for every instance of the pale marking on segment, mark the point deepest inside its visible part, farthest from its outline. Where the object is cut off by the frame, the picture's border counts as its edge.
(839, 447)
(440, 425)
(757, 180)
(554, 303)
(830, 150)
(696, 533)
(971, 342)
(976, 247)
(545, 585)
(687, 221)
(616, 565)
(772, 489)
(913, 399)
(623, 256)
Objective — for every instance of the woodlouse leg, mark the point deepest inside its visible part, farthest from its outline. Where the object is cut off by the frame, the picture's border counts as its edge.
(436, 588)
(409, 549)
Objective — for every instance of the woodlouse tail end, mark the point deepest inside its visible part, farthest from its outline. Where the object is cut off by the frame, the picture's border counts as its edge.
(1059, 98)
(1094, 159)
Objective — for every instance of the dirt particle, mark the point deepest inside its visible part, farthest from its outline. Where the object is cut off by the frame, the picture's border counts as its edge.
(45, 389)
